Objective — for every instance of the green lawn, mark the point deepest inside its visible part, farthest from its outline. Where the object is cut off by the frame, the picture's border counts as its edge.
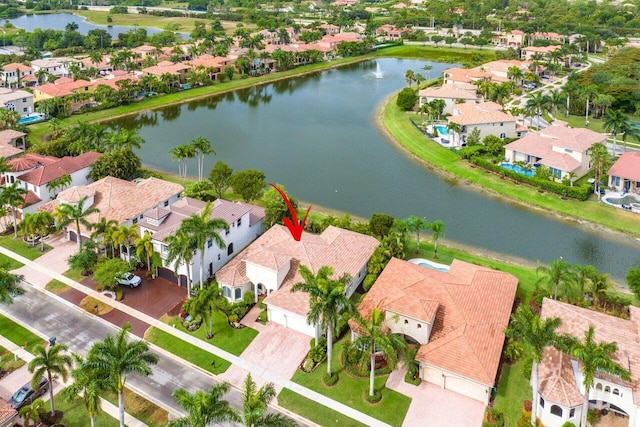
(21, 248)
(314, 411)
(139, 408)
(57, 287)
(513, 390)
(19, 335)
(187, 351)
(351, 390)
(224, 336)
(75, 414)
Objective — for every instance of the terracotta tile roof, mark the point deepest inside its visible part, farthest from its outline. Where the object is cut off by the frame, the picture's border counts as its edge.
(118, 199)
(66, 165)
(576, 139)
(30, 198)
(9, 134)
(475, 114)
(495, 71)
(17, 66)
(209, 61)
(561, 161)
(627, 166)
(166, 67)
(6, 136)
(6, 411)
(576, 320)
(29, 161)
(451, 91)
(472, 306)
(556, 382)
(345, 251)
(541, 49)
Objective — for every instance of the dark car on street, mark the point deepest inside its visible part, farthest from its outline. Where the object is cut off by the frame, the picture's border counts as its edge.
(26, 395)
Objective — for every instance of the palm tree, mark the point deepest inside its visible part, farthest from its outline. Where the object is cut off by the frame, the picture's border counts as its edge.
(410, 77)
(427, 69)
(584, 276)
(515, 74)
(201, 227)
(595, 357)
(437, 230)
(538, 103)
(416, 224)
(204, 407)
(254, 406)
(559, 271)
(587, 93)
(32, 412)
(50, 360)
(76, 213)
(86, 384)
(124, 236)
(557, 100)
(600, 161)
(103, 229)
(181, 154)
(618, 124)
(9, 286)
(327, 300)
(180, 249)
(206, 302)
(535, 334)
(12, 196)
(115, 357)
(454, 128)
(144, 248)
(374, 339)
(202, 147)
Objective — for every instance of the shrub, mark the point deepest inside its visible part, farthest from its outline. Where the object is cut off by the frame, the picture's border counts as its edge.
(263, 316)
(368, 282)
(233, 318)
(593, 417)
(470, 151)
(377, 396)
(513, 350)
(407, 98)
(317, 353)
(308, 365)
(568, 424)
(249, 298)
(408, 378)
(528, 365)
(330, 380)
(495, 417)
(525, 419)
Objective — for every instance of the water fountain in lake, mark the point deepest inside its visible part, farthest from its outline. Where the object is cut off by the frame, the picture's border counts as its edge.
(378, 73)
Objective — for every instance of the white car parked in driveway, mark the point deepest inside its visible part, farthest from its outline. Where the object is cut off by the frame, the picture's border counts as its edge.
(129, 279)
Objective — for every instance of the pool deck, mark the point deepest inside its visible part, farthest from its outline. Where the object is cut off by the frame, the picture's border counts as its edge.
(618, 195)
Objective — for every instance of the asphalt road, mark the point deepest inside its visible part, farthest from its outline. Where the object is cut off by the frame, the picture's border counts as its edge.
(80, 330)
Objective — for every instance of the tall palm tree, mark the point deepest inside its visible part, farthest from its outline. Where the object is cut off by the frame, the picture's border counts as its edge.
(201, 227)
(76, 213)
(515, 74)
(50, 360)
(539, 104)
(144, 248)
(124, 236)
(595, 357)
(204, 407)
(374, 339)
(535, 334)
(588, 93)
(115, 357)
(180, 249)
(410, 77)
(9, 286)
(558, 272)
(416, 224)
(327, 301)
(557, 100)
(254, 406)
(202, 148)
(181, 154)
(437, 228)
(103, 230)
(205, 304)
(617, 123)
(454, 128)
(12, 196)
(86, 384)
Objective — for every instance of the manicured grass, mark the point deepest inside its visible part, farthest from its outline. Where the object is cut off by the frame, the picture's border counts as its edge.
(75, 414)
(58, 287)
(513, 390)
(596, 125)
(224, 336)
(19, 335)
(398, 124)
(140, 408)
(8, 361)
(21, 248)
(351, 390)
(314, 411)
(187, 351)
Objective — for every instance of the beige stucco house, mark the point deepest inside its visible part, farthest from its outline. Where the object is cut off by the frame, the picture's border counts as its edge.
(624, 175)
(488, 118)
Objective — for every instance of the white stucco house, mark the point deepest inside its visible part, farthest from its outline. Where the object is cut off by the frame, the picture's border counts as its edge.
(245, 225)
(488, 118)
(270, 266)
(562, 149)
(34, 173)
(451, 94)
(560, 389)
(19, 101)
(457, 317)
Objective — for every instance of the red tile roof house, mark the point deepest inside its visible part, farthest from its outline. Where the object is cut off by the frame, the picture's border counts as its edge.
(245, 225)
(561, 149)
(116, 199)
(179, 70)
(560, 389)
(12, 143)
(33, 172)
(494, 71)
(457, 317)
(488, 118)
(14, 74)
(451, 94)
(270, 265)
(624, 175)
(7, 413)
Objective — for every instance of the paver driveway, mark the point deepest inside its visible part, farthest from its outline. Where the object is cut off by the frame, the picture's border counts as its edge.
(55, 259)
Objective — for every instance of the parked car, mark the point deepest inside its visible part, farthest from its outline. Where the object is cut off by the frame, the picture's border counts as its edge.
(130, 280)
(26, 395)
(545, 76)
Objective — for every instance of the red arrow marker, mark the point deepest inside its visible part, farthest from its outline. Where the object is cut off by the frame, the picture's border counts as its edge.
(295, 227)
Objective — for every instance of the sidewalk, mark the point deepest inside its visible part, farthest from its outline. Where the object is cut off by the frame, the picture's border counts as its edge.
(252, 368)
(107, 406)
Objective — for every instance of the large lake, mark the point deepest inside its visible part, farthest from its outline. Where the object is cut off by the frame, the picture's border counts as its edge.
(317, 135)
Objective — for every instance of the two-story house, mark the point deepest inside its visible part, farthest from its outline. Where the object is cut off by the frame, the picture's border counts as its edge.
(513, 38)
(245, 225)
(19, 101)
(57, 67)
(452, 94)
(488, 118)
(562, 149)
(455, 314)
(270, 266)
(17, 75)
(560, 397)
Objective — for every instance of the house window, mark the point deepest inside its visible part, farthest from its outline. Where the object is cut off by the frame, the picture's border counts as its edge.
(599, 386)
(541, 402)
(568, 150)
(556, 410)
(616, 392)
(607, 389)
(503, 135)
(24, 110)
(501, 124)
(406, 322)
(239, 222)
(557, 173)
(419, 326)
(230, 249)
(572, 412)
(135, 220)
(209, 243)
(226, 232)
(218, 257)
(226, 291)
(166, 203)
(238, 294)
(24, 99)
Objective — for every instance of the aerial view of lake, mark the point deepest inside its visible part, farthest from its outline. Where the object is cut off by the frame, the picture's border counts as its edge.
(318, 136)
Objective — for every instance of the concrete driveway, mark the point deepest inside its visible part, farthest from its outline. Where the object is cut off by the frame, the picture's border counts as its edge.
(55, 259)
(442, 408)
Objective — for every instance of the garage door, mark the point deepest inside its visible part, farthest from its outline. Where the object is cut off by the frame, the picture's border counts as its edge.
(73, 236)
(466, 388)
(290, 320)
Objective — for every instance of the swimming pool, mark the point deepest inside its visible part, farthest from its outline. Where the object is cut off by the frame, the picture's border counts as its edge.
(430, 264)
(30, 119)
(626, 200)
(517, 169)
(442, 130)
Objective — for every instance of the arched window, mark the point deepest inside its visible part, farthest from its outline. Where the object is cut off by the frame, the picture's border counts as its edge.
(599, 386)
(616, 392)
(238, 294)
(226, 291)
(556, 410)
(406, 322)
(230, 249)
(419, 326)
(607, 389)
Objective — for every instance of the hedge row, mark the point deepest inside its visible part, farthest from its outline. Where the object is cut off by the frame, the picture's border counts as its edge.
(581, 192)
